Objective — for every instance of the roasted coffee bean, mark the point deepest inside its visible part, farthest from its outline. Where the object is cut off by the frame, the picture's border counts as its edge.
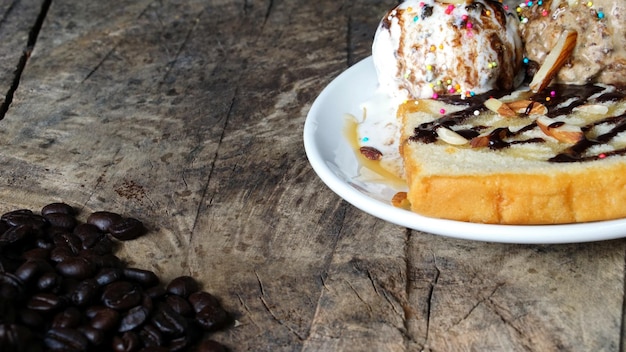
(31, 318)
(24, 217)
(65, 339)
(210, 346)
(127, 229)
(85, 292)
(168, 321)
(16, 234)
(103, 219)
(128, 342)
(154, 349)
(68, 240)
(14, 337)
(36, 254)
(209, 312)
(32, 269)
(61, 254)
(44, 302)
(48, 281)
(108, 275)
(57, 208)
(182, 286)
(77, 268)
(212, 318)
(150, 336)
(179, 305)
(68, 318)
(95, 336)
(155, 292)
(88, 233)
(144, 277)
(121, 295)
(101, 261)
(44, 242)
(103, 318)
(60, 220)
(10, 281)
(134, 318)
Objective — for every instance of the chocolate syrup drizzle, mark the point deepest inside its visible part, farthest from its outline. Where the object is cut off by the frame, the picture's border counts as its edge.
(500, 137)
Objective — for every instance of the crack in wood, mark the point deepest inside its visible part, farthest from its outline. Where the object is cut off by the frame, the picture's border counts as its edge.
(431, 295)
(30, 44)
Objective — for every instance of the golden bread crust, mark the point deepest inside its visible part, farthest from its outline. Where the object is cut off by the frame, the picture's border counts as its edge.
(448, 181)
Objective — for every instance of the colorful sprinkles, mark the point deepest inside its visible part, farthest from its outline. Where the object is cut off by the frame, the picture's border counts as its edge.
(599, 13)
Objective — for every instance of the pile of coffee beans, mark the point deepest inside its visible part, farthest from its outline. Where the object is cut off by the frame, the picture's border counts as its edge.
(63, 289)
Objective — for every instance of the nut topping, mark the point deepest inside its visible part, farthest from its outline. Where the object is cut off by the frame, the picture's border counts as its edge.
(371, 153)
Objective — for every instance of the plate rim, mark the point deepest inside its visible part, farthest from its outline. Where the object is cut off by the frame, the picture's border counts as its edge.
(519, 234)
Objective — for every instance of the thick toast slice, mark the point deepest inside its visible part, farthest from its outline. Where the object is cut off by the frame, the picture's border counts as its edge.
(558, 156)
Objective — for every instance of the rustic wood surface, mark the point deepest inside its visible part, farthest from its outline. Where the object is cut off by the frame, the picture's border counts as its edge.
(188, 115)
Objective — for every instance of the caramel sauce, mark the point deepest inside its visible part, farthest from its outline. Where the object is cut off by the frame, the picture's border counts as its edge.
(351, 135)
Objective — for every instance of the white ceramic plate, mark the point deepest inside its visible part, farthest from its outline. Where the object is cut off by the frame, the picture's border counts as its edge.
(333, 159)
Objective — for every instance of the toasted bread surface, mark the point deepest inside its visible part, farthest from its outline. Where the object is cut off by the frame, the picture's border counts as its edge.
(518, 169)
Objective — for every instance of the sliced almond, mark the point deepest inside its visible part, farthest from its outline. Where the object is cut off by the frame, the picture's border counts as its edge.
(593, 109)
(479, 142)
(554, 60)
(528, 107)
(449, 136)
(400, 200)
(563, 132)
(499, 107)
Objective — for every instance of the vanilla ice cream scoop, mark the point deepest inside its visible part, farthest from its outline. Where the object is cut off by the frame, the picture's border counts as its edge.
(426, 48)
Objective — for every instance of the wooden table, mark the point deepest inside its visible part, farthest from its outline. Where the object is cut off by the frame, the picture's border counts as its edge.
(188, 115)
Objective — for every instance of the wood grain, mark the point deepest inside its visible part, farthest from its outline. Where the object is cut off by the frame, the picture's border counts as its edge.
(189, 115)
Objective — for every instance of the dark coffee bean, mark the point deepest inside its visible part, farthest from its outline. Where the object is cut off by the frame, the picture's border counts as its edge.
(121, 295)
(65, 339)
(201, 299)
(95, 336)
(68, 240)
(134, 318)
(209, 312)
(14, 337)
(150, 336)
(103, 219)
(212, 318)
(103, 318)
(179, 305)
(11, 283)
(128, 342)
(154, 349)
(103, 246)
(87, 232)
(156, 292)
(61, 254)
(182, 286)
(210, 346)
(16, 234)
(44, 242)
(179, 344)
(31, 318)
(85, 292)
(144, 277)
(48, 281)
(77, 268)
(68, 318)
(108, 275)
(44, 302)
(168, 321)
(60, 220)
(32, 269)
(127, 229)
(24, 217)
(57, 208)
(36, 253)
